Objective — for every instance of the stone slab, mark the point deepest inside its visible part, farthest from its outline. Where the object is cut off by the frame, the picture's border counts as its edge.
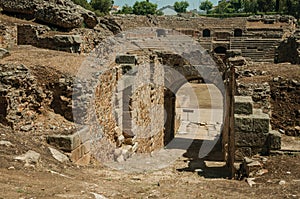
(64, 142)
(84, 134)
(261, 123)
(243, 105)
(251, 139)
(76, 154)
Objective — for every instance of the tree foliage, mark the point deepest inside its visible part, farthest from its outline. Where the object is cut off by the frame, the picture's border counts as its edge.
(250, 6)
(181, 6)
(126, 9)
(144, 8)
(266, 5)
(206, 5)
(224, 6)
(290, 7)
(103, 6)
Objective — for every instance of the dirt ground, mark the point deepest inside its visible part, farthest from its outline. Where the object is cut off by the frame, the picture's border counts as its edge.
(52, 179)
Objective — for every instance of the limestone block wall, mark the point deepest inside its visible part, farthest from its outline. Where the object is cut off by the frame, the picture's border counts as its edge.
(260, 95)
(189, 25)
(253, 132)
(104, 105)
(28, 34)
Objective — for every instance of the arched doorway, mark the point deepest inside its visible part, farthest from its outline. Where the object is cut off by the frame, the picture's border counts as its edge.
(220, 50)
(238, 32)
(206, 33)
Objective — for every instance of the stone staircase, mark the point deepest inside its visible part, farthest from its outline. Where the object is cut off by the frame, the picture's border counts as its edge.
(258, 50)
(253, 132)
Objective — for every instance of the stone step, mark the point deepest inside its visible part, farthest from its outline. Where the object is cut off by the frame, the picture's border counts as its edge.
(243, 105)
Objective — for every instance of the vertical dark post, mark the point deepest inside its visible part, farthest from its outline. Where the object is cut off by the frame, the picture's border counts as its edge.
(231, 133)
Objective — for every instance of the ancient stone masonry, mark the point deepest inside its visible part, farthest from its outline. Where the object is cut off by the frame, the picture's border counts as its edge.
(257, 37)
(252, 130)
(278, 97)
(260, 94)
(77, 146)
(36, 36)
(62, 91)
(79, 40)
(60, 13)
(289, 49)
(91, 38)
(21, 98)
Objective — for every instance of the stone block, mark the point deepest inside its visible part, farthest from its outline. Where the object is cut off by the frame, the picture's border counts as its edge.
(79, 152)
(249, 139)
(84, 160)
(274, 140)
(243, 123)
(84, 134)
(261, 123)
(125, 59)
(64, 142)
(243, 105)
(86, 147)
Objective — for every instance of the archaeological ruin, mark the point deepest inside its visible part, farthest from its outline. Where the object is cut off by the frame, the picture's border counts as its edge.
(137, 89)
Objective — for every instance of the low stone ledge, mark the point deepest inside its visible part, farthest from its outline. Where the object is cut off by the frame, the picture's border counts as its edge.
(261, 122)
(77, 146)
(64, 142)
(274, 140)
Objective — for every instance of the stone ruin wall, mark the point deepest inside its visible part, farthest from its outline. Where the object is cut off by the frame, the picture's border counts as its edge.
(36, 36)
(258, 39)
(289, 49)
(117, 136)
(8, 36)
(22, 98)
(131, 118)
(266, 38)
(193, 24)
(253, 132)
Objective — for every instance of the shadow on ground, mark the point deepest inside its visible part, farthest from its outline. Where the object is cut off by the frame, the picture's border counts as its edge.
(211, 166)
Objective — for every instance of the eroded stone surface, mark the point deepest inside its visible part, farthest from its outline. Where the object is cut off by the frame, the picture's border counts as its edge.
(61, 13)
